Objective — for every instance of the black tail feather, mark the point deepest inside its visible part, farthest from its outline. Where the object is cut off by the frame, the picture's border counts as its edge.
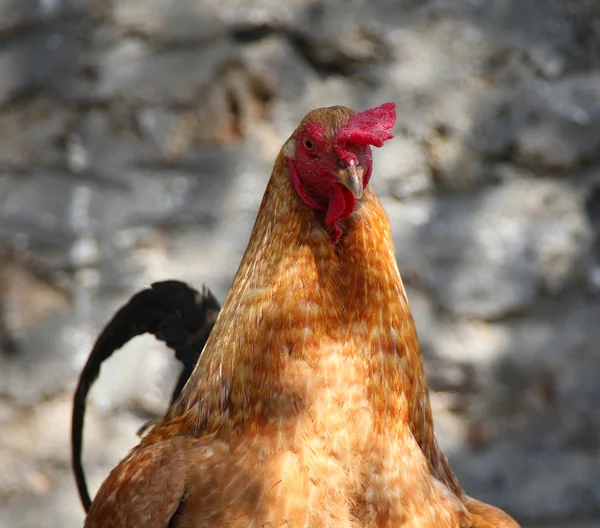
(173, 312)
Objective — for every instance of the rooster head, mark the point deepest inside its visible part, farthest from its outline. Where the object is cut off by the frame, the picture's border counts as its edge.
(329, 158)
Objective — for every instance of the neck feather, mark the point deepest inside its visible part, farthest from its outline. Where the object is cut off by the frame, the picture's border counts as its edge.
(294, 294)
(379, 314)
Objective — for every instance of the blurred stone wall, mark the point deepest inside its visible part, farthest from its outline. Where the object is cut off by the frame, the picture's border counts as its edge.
(136, 139)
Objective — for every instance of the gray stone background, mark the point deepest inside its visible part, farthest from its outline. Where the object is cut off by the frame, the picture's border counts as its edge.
(136, 139)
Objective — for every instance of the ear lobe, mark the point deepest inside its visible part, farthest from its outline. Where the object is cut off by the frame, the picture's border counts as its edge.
(289, 148)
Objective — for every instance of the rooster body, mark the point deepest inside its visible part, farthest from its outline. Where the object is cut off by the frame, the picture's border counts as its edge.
(309, 404)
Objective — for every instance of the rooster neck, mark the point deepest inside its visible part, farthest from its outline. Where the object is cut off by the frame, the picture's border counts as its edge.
(295, 298)
(281, 293)
(379, 318)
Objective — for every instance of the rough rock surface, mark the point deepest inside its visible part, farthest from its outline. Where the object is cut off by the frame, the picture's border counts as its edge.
(136, 140)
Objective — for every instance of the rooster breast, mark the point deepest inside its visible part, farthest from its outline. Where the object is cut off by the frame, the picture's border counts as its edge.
(319, 461)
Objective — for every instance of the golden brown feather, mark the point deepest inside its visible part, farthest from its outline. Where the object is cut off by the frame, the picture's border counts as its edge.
(309, 405)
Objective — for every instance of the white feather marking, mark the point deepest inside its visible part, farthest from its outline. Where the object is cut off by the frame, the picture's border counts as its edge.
(289, 148)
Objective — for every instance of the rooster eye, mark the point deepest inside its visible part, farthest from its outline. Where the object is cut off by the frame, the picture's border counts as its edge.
(309, 145)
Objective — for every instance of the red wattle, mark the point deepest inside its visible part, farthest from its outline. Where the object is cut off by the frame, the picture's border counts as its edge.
(340, 206)
(336, 205)
(350, 201)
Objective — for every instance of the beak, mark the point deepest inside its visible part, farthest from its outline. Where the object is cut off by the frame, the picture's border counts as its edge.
(352, 178)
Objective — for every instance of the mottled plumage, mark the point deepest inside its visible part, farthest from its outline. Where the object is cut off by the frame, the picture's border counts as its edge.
(309, 405)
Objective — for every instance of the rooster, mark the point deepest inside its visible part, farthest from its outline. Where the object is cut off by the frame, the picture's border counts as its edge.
(309, 404)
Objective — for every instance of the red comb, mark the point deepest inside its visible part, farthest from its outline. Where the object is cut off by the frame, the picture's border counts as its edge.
(370, 127)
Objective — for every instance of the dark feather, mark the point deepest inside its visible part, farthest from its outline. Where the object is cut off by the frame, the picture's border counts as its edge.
(174, 313)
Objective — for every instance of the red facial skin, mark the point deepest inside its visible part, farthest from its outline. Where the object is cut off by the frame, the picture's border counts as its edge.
(314, 169)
